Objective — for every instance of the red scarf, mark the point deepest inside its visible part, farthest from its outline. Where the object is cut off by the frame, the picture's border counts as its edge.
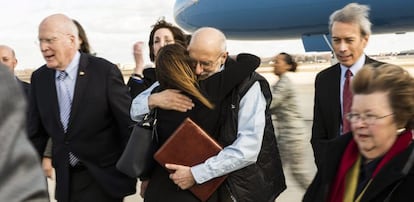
(350, 156)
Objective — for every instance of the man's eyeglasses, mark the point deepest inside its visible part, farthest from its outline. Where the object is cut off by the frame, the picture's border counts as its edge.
(367, 118)
(51, 40)
(207, 63)
(48, 41)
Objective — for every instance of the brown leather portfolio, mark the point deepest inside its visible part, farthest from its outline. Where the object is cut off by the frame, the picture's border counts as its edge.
(190, 145)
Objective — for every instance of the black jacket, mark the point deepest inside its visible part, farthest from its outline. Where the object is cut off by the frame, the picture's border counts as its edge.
(137, 86)
(390, 183)
(327, 116)
(264, 180)
(98, 128)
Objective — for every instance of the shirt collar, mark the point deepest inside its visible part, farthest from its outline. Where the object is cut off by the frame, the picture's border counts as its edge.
(72, 68)
(355, 67)
(221, 68)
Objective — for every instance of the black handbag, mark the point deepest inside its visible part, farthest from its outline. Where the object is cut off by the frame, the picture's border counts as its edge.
(137, 159)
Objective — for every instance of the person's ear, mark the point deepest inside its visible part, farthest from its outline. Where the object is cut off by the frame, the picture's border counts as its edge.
(365, 40)
(14, 63)
(224, 58)
(73, 41)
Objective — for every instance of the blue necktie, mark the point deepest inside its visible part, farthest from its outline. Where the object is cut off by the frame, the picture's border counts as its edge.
(65, 105)
(65, 100)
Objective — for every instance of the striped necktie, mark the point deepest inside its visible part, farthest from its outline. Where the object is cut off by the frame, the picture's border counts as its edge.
(65, 100)
(65, 105)
(347, 102)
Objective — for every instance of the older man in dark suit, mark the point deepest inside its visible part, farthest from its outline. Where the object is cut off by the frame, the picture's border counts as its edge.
(350, 29)
(82, 103)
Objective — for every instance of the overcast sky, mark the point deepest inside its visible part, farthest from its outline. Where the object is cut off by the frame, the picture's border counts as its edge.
(113, 26)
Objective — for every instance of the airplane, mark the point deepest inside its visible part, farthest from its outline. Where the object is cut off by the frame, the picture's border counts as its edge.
(287, 19)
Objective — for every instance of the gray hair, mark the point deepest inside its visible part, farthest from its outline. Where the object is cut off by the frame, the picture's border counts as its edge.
(353, 13)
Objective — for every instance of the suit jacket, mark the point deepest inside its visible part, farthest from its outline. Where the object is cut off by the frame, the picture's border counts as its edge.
(26, 90)
(98, 127)
(137, 86)
(25, 86)
(381, 186)
(327, 116)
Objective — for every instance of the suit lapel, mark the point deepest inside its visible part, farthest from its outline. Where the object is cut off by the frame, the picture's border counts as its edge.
(369, 60)
(80, 87)
(49, 94)
(333, 94)
(336, 81)
(372, 62)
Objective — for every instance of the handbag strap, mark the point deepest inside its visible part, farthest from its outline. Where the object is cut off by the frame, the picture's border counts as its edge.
(154, 125)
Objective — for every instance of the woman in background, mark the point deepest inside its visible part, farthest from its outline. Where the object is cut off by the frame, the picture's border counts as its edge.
(162, 33)
(84, 45)
(291, 128)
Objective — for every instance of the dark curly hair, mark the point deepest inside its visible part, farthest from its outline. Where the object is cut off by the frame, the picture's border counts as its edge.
(178, 34)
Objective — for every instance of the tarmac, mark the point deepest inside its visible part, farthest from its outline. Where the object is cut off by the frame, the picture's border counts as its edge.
(304, 84)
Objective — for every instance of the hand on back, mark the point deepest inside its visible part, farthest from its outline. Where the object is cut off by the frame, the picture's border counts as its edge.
(170, 99)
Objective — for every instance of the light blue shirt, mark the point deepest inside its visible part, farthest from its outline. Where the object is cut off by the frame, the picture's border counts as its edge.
(243, 151)
(70, 81)
(139, 105)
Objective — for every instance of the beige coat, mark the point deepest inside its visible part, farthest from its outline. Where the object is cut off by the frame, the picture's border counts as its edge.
(291, 133)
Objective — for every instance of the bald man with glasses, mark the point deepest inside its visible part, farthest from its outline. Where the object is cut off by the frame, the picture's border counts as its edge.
(250, 155)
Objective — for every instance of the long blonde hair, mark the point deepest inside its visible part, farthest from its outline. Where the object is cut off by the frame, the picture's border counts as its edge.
(175, 70)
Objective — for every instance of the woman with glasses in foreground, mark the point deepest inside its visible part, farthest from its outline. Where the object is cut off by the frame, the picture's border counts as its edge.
(375, 161)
